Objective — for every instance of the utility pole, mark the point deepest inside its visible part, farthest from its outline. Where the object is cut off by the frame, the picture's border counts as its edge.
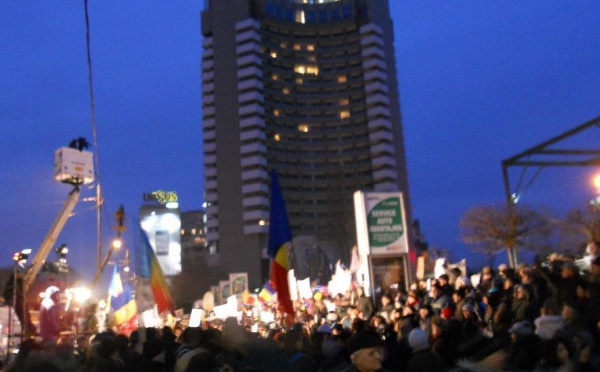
(116, 244)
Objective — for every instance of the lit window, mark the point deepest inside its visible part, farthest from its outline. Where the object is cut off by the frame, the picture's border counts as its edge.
(286, 91)
(342, 79)
(182, 232)
(306, 70)
(300, 16)
(276, 113)
(299, 81)
(297, 47)
(310, 47)
(275, 77)
(273, 54)
(303, 128)
(344, 114)
(344, 102)
(193, 231)
(312, 70)
(262, 222)
(277, 137)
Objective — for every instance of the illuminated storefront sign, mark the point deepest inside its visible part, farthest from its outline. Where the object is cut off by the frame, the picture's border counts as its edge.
(162, 224)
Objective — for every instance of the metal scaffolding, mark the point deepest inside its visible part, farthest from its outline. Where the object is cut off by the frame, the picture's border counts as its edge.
(548, 154)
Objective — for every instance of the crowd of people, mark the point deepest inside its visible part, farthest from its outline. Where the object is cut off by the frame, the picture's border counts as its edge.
(536, 317)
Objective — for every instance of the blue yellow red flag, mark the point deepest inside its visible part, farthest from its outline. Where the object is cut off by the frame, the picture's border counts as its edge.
(121, 299)
(279, 241)
(150, 268)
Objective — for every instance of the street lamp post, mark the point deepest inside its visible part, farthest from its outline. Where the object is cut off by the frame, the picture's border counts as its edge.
(116, 244)
(20, 259)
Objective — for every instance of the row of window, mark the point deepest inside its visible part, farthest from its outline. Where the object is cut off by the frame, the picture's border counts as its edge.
(277, 11)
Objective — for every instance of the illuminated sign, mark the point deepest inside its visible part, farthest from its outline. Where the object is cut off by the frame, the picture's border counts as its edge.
(381, 223)
(382, 239)
(161, 196)
(163, 227)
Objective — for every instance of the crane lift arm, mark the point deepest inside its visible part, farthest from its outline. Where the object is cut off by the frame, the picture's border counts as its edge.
(50, 239)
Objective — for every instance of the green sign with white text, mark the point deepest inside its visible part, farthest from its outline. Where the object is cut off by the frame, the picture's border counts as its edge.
(385, 225)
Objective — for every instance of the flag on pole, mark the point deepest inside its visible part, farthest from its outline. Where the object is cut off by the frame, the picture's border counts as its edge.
(150, 268)
(116, 284)
(279, 241)
(267, 292)
(121, 299)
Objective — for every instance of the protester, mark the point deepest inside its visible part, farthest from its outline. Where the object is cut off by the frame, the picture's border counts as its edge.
(423, 359)
(498, 325)
(365, 353)
(49, 315)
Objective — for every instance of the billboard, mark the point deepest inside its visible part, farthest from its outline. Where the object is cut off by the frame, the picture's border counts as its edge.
(382, 239)
(163, 228)
(380, 223)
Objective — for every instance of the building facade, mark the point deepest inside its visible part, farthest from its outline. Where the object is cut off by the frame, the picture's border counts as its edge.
(309, 88)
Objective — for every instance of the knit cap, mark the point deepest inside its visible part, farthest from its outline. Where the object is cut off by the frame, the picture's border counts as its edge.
(522, 328)
(418, 340)
(363, 341)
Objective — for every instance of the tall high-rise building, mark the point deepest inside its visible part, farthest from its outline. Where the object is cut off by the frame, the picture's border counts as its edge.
(307, 87)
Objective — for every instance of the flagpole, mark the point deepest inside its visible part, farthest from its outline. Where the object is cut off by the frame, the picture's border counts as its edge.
(116, 244)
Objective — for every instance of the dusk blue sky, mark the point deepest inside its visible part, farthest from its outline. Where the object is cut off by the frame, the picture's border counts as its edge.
(479, 81)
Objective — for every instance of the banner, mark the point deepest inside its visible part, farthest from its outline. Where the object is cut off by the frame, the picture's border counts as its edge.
(381, 223)
(224, 291)
(238, 283)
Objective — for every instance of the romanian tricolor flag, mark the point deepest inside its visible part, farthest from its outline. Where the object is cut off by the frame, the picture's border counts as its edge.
(267, 292)
(121, 299)
(150, 268)
(280, 240)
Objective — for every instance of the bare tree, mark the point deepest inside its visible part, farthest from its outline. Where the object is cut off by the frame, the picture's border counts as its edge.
(578, 228)
(489, 229)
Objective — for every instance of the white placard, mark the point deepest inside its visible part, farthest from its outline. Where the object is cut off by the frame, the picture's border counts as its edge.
(267, 317)
(196, 317)
(330, 306)
(439, 268)
(304, 288)
(292, 284)
(151, 318)
(221, 311)
(340, 281)
(232, 306)
(475, 280)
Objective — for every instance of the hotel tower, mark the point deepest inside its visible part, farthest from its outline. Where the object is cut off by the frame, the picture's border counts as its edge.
(306, 87)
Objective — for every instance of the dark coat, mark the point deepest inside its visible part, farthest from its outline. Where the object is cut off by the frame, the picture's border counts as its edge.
(425, 361)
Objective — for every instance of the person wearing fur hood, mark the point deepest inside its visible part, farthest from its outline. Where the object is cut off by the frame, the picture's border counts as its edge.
(49, 315)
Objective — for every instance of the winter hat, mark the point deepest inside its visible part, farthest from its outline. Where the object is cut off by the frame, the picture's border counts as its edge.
(447, 313)
(418, 340)
(468, 307)
(362, 341)
(324, 328)
(522, 328)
